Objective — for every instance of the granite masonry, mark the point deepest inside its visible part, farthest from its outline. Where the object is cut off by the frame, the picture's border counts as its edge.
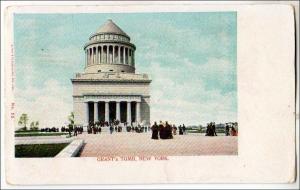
(109, 89)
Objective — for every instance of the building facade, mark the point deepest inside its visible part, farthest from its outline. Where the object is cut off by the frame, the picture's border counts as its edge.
(109, 89)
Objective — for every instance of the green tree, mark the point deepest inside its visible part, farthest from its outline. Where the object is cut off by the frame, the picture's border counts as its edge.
(23, 120)
(71, 120)
(34, 125)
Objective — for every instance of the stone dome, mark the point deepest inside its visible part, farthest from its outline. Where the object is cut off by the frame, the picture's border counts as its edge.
(109, 50)
(111, 28)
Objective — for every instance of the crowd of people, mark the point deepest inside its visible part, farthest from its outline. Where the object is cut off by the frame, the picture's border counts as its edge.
(211, 129)
(166, 130)
(163, 130)
(48, 129)
(115, 126)
(229, 130)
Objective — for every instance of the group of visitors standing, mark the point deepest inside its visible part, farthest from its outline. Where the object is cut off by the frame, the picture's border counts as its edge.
(166, 130)
(70, 129)
(115, 126)
(95, 127)
(211, 129)
(163, 130)
(229, 130)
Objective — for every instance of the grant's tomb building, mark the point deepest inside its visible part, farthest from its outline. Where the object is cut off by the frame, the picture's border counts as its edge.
(109, 89)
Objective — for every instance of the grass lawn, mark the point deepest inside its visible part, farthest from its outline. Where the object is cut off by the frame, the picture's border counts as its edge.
(28, 131)
(39, 134)
(38, 150)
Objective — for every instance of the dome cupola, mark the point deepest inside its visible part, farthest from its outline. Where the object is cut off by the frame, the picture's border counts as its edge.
(109, 50)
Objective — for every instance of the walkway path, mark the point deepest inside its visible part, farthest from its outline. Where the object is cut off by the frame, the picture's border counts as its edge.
(129, 144)
(42, 140)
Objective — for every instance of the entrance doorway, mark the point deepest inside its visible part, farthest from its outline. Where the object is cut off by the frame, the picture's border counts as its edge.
(123, 111)
(112, 111)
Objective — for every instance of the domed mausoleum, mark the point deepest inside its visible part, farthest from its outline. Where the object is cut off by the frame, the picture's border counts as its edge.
(109, 89)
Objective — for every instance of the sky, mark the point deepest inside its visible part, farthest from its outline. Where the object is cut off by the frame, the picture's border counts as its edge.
(190, 57)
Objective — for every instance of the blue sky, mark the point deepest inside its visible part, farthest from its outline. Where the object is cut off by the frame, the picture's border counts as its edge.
(191, 58)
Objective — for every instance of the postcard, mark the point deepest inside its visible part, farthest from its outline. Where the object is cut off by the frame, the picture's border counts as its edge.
(136, 93)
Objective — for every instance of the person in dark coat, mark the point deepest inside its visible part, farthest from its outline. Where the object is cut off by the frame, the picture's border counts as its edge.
(227, 130)
(155, 131)
(234, 131)
(70, 132)
(75, 131)
(180, 130)
(208, 130)
(214, 133)
(161, 130)
(111, 129)
(168, 131)
(174, 129)
(183, 129)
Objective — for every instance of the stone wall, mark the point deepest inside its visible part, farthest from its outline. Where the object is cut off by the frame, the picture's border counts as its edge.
(81, 88)
(79, 112)
(145, 109)
(99, 87)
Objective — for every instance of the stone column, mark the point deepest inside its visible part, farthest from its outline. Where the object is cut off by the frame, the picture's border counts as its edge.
(119, 54)
(98, 53)
(107, 53)
(129, 57)
(123, 54)
(101, 54)
(133, 58)
(107, 111)
(86, 106)
(85, 57)
(95, 55)
(95, 62)
(118, 115)
(113, 59)
(89, 56)
(96, 112)
(138, 112)
(129, 113)
(104, 56)
(92, 56)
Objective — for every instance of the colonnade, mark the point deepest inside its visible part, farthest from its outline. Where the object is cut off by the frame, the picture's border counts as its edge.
(109, 54)
(118, 111)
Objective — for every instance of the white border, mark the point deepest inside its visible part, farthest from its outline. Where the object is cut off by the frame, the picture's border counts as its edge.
(109, 3)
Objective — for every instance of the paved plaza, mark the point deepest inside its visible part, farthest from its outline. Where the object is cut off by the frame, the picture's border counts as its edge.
(42, 140)
(135, 144)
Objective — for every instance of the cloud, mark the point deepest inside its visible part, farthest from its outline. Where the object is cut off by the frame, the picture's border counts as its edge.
(192, 66)
(62, 57)
(50, 104)
(182, 92)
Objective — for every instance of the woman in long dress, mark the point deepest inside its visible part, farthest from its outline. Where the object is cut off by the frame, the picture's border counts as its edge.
(155, 131)
(233, 131)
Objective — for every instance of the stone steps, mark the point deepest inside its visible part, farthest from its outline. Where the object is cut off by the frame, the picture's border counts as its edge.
(106, 130)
